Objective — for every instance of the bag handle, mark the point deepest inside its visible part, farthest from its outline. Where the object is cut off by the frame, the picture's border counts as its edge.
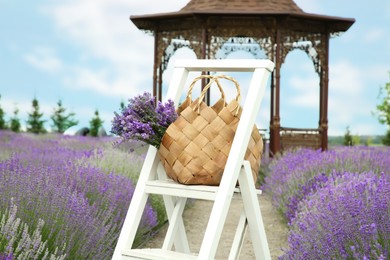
(212, 80)
(216, 80)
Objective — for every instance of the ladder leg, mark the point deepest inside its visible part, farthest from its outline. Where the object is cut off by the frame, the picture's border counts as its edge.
(239, 238)
(175, 221)
(253, 213)
(137, 205)
(179, 237)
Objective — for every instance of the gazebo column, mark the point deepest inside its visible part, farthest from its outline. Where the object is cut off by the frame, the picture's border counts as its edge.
(205, 50)
(275, 100)
(155, 65)
(324, 92)
(160, 76)
(158, 66)
(205, 43)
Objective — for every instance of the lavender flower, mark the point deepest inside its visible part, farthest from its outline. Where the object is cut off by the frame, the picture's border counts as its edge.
(310, 187)
(348, 218)
(15, 238)
(4, 256)
(143, 120)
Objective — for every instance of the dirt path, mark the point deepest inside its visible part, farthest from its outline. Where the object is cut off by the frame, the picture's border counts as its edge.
(195, 221)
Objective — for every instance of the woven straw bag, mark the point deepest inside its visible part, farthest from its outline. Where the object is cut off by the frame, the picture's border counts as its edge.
(195, 147)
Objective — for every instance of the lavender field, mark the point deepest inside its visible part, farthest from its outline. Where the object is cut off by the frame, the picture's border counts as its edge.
(65, 197)
(335, 203)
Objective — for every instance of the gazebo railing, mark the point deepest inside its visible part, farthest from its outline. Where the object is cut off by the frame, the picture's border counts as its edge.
(300, 137)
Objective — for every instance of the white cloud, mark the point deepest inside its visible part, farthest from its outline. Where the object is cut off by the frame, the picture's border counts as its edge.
(350, 102)
(9, 106)
(299, 82)
(377, 73)
(346, 78)
(305, 92)
(44, 58)
(387, 9)
(24, 107)
(308, 6)
(360, 128)
(375, 34)
(103, 31)
(150, 6)
(102, 82)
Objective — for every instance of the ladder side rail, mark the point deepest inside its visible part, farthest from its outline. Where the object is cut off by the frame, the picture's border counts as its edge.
(233, 65)
(238, 240)
(175, 90)
(234, 162)
(148, 171)
(253, 214)
(137, 204)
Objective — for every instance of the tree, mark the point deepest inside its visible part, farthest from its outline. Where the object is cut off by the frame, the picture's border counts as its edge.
(34, 123)
(95, 124)
(386, 138)
(61, 120)
(384, 107)
(384, 110)
(348, 139)
(122, 105)
(3, 124)
(15, 122)
(355, 140)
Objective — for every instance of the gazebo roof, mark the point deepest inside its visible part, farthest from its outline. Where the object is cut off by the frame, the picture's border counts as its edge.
(281, 10)
(242, 6)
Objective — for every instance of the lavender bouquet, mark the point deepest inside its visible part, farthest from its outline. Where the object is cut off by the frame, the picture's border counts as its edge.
(144, 120)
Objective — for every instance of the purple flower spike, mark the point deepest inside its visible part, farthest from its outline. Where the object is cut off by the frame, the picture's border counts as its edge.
(143, 120)
(346, 219)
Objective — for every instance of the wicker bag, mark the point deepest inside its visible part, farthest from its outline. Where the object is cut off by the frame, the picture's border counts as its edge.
(195, 147)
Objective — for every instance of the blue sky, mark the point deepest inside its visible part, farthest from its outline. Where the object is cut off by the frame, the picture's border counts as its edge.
(89, 54)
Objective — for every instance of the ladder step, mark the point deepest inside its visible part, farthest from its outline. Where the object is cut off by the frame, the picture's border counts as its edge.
(155, 254)
(172, 188)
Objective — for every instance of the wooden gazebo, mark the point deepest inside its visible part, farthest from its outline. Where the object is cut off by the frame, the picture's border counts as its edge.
(274, 26)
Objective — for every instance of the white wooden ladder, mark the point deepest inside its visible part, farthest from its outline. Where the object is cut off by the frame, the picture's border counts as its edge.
(153, 180)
